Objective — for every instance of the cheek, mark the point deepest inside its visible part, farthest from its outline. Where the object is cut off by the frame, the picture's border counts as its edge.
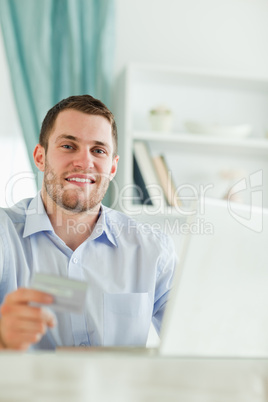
(58, 161)
(103, 166)
(104, 170)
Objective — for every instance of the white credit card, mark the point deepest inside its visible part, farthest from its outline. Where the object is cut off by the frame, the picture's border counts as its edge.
(69, 294)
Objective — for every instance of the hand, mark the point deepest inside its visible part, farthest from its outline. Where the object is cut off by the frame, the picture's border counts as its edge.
(22, 324)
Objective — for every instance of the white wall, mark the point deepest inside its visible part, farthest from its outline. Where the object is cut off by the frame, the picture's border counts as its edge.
(221, 35)
(228, 36)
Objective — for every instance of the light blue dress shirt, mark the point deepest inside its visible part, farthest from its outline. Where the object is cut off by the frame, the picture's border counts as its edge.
(129, 269)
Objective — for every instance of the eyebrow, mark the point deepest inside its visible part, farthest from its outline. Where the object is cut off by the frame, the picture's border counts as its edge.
(73, 138)
(66, 137)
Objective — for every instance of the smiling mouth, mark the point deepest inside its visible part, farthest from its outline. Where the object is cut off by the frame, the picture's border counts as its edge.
(80, 180)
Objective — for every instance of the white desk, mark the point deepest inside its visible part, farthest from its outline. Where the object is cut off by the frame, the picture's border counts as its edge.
(119, 377)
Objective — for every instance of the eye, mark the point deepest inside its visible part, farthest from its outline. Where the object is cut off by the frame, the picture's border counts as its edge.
(66, 146)
(98, 151)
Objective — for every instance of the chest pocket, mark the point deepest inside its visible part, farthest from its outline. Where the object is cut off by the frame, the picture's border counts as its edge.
(127, 319)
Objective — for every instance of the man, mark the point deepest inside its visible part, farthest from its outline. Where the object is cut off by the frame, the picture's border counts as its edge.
(66, 231)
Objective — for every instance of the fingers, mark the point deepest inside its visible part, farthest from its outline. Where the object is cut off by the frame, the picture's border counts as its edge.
(23, 324)
(23, 295)
(19, 340)
(49, 318)
(28, 314)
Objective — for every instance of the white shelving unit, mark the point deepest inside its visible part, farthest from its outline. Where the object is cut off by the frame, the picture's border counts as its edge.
(195, 160)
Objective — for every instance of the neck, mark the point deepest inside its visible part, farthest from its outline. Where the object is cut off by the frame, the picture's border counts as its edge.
(72, 228)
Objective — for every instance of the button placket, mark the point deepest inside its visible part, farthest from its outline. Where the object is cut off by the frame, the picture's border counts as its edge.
(78, 321)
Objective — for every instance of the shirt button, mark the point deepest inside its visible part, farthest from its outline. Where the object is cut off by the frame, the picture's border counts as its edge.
(75, 260)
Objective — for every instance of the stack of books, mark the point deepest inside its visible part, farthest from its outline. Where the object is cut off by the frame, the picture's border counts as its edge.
(153, 180)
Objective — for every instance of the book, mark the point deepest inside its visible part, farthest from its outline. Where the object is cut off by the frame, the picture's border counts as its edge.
(166, 181)
(141, 190)
(148, 174)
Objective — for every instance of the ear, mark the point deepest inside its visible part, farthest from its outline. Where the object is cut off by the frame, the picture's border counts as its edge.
(114, 167)
(39, 157)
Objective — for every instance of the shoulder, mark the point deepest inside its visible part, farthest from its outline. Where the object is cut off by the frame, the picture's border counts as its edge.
(15, 214)
(12, 223)
(148, 235)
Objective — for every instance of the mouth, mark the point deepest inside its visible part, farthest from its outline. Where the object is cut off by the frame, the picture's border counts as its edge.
(80, 179)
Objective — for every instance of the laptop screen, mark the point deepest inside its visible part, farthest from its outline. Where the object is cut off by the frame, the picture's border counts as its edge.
(219, 301)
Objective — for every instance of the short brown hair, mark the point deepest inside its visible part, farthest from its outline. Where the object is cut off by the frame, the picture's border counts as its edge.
(83, 103)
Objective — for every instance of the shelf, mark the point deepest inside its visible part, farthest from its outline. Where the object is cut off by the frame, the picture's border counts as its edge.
(182, 213)
(250, 144)
(140, 210)
(195, 159)
(148, 73)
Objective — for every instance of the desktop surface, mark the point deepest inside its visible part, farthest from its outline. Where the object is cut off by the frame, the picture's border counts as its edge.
(120, 377)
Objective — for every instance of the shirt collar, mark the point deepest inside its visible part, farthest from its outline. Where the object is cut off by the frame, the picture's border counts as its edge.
(36, 217)
(37, 221)
(102, 227)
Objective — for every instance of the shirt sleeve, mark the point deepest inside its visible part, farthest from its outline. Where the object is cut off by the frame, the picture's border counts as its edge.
(2, 250)
(1, 257)
(166, 270)
(5, 275)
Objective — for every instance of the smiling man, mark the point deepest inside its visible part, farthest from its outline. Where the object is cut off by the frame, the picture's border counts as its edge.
(66, 231)
(78, 159)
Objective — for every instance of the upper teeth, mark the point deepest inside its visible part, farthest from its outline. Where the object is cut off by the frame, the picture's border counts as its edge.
(79, 180)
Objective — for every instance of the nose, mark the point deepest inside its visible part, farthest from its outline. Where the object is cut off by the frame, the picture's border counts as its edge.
(83, 159)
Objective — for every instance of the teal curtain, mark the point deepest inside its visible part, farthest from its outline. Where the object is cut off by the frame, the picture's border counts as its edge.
(56, 48)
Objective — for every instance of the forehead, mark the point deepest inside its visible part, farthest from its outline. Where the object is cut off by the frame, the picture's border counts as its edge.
(85, 127)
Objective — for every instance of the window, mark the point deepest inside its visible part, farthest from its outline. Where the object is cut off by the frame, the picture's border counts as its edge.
(16, 175)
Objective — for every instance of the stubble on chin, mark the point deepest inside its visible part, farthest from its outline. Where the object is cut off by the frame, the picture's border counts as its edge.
(74, 200)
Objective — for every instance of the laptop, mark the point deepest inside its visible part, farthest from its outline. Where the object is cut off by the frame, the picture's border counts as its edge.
(219, 302)
(218, 306)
